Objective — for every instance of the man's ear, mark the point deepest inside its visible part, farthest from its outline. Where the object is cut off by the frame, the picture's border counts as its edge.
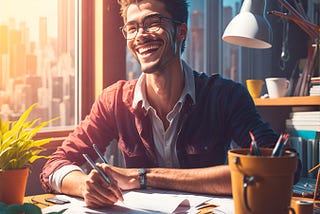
(182, 30)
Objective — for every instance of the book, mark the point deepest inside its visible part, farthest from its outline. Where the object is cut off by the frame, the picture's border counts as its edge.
(305, 134)
(296, 121)
(310, 129)
(302, 122)
(303, 114)
(312, 155)
(300, 145)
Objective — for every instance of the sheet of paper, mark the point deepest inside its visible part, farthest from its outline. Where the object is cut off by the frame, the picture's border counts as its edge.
(148, 201)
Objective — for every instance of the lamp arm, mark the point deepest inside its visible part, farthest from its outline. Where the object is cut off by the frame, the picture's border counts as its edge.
(285, 15)
(303, 24)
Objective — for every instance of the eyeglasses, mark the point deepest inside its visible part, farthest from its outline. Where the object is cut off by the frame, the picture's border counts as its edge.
(150, 24)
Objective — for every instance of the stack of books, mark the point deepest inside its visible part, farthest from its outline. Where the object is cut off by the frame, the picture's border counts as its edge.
(315, 86)
(304, 123)
(304, 129)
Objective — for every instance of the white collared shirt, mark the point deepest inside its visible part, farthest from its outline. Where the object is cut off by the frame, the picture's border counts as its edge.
(165, 140)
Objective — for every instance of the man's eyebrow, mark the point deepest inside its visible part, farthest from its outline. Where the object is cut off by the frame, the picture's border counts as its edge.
(131, 22)
(149, 15)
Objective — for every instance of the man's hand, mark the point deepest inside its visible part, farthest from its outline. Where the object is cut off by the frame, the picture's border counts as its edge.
(98, 193)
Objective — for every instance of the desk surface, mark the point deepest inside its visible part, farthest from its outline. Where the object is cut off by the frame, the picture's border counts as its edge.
(39, 200)
(142, 200)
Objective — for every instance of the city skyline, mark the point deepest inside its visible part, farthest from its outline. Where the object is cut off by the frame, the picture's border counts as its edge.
(38, 9)
(39, 70)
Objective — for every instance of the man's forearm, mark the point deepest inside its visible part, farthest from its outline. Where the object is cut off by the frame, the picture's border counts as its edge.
(73, 183)
(211, 180)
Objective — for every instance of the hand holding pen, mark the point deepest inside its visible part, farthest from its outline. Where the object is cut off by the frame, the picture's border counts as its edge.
(94, 166)
(111, 192)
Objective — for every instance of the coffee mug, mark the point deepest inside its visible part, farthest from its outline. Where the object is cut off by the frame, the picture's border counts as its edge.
(254, 87)
(303, 207)
(277, 87)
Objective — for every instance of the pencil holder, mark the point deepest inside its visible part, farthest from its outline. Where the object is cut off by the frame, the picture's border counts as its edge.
(262, 184)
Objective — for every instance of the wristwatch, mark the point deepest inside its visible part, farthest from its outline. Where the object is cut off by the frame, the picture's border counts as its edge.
(142, 174)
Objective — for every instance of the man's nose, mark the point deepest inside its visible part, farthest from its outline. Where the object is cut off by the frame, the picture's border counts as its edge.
(141, 30)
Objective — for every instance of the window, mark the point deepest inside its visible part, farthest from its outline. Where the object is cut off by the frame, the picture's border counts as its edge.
(39, 59)
(206, 51)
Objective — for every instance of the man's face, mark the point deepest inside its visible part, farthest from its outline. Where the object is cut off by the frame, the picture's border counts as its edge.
(153, 50)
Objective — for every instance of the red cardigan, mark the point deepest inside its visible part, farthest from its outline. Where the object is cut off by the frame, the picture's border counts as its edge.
(224, 111)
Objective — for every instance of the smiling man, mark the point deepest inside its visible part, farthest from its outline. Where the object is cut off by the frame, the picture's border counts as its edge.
(173, 125)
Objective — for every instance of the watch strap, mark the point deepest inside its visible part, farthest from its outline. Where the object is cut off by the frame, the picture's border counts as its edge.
(142, 174)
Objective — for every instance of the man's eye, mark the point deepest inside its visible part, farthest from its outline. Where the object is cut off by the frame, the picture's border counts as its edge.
(131, 29)
(152, 25)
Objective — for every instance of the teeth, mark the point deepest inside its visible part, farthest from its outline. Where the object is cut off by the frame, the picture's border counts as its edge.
(141, 50)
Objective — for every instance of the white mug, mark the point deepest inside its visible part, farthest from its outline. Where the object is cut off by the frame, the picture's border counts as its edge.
(277, 87)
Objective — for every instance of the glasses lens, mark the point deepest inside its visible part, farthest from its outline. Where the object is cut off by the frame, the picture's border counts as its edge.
(152, 23)
(129, 30)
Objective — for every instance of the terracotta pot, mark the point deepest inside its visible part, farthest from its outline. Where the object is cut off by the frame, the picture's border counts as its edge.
(13, 185)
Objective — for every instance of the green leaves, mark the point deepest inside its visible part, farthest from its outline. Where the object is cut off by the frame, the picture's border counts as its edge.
(26, 208)
(17, 147)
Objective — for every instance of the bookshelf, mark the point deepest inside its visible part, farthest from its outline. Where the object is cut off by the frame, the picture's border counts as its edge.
(289, 101)
(277, 110)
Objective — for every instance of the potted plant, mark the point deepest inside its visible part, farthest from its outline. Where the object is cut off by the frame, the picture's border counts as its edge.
(18, 150)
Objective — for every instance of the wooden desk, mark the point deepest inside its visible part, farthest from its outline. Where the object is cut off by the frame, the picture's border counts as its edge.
(39, 200)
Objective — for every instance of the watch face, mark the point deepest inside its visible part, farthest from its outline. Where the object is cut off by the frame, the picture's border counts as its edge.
(142, 171)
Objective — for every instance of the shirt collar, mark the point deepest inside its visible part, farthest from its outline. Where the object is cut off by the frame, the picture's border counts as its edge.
(140, 89)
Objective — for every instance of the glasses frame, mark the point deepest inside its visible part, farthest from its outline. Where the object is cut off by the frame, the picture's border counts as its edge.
(144, 27)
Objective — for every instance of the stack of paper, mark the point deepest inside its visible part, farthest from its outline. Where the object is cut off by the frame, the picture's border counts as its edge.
(149, 201)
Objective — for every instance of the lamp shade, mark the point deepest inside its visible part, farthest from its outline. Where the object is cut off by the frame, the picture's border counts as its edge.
(249, 28)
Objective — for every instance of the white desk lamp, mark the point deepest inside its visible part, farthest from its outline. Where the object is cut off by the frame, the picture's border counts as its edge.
(250, 28)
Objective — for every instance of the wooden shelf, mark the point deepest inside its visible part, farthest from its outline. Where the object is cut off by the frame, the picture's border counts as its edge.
(289, 101)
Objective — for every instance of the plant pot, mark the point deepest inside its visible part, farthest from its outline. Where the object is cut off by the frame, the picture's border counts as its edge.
(13, 185)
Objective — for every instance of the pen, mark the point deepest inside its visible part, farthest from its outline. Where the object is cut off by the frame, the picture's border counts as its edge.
(99, 154)
(314, 168)
(254, 147)
(276, 149)
(283, 145)
(93, 165)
